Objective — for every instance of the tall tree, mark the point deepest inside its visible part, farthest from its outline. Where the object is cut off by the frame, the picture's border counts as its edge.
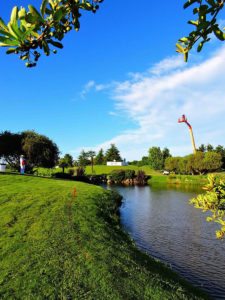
(11, 147)
(112, 154)
(212, 161)
(202, 148)
(100, 158)
(83, 159)
(144, 161)
(209, 148)
(172, 164)
(66, 161)
(91, 154)
(165, 154)
(155, 158)
(38, 149)
(221, 150)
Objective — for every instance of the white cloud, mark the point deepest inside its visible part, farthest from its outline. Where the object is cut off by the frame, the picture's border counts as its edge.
(154, 103)
(167, 65)
(155, 99)
(87, 87)
(91, 85)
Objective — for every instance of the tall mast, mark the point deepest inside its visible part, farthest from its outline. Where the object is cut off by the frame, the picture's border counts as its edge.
(183, 119)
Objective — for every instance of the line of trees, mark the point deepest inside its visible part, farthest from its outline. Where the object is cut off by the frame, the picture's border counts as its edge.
(199, 163)
(155, 159)
(90, 157)
(207, 159)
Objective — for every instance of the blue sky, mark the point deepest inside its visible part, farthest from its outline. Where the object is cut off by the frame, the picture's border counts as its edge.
(119, 80)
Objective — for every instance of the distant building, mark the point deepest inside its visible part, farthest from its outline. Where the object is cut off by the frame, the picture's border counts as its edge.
(117, 163)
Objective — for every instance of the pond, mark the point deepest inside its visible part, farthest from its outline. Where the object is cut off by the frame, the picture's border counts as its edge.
(163, 223)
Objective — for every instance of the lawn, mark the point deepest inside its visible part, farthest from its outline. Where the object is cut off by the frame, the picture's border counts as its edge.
(99, 170)
(62, 240)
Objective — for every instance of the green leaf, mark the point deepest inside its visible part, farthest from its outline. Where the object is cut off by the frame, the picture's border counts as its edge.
(180, 49)
(211, 2)
(29, 18)
(7, 42)
(14, 15)
(15, 36)
(184, 40)
(43, 7)
(3, 25)
(189, 2)
(35, 13)
(59, 14)
(7, 34)
(15, 31)
(11, 50)
(46, 48)
(56, 44)
(193, 22)
(22, 13)
(200, 46)
(218, 33)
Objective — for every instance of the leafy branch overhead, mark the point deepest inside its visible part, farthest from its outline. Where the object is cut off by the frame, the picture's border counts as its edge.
(213, 201)
(31, 32)
(204, 25)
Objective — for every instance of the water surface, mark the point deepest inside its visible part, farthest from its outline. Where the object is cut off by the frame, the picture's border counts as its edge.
(164, 224)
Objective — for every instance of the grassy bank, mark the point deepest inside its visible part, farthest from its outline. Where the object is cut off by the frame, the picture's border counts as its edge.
(58, 243)
(178, 179)
(99, 170)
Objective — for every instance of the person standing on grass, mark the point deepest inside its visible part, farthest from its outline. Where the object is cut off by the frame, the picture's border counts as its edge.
(22, 164)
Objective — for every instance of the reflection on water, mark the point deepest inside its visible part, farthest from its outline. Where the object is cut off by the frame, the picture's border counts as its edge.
(163, 223)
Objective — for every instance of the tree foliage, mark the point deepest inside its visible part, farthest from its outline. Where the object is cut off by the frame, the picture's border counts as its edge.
(112, 154)
(66, 161)
(38, 149)
(213, 201)
(199, 163)
(31, 32)
(157, 157)
(204, 24)
(11, 147)
(218, 149)
(100, 158)
(83, 159)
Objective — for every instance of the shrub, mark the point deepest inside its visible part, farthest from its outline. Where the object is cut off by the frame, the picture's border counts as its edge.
(117, 175)
(71, 171)
(80, 171)
(141, 177)
(62, 175)
(129, 174)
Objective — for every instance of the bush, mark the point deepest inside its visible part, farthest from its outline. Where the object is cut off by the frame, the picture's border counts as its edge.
(80, 171)
(62, 175)
(129, 174)
(117, 176)
(71, 171)
(141, 177)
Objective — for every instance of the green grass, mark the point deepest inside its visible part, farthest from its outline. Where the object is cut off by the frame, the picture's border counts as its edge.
(103, 169)
(55, 245)
(98, 170)
(179, 179)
